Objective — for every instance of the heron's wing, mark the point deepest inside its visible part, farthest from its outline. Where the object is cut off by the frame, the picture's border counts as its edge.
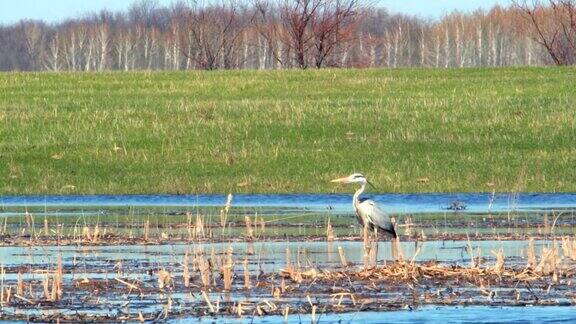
(370, 211)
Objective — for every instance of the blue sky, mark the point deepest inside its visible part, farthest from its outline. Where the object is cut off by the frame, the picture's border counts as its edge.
(55, 10)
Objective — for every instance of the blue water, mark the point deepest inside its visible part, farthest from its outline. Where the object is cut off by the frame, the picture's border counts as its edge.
(395, 203)
(447, 314)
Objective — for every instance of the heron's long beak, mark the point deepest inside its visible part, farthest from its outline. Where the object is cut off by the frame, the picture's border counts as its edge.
(340, 180)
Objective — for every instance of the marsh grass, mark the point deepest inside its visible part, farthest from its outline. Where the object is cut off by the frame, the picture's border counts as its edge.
(287, 131)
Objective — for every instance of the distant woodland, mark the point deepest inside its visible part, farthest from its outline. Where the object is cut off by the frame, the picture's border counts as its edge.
(287, 34)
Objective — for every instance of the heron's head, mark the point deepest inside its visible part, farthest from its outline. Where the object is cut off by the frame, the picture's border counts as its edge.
(354, 178)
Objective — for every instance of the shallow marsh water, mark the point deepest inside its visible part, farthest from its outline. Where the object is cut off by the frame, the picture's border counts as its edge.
(394, 203)
(302, 217)
(428, 314)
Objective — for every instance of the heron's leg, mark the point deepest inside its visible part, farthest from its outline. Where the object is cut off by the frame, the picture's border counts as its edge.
(376, 242)
(394, 248)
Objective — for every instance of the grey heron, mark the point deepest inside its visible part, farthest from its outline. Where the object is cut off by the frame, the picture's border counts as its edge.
(367, 210)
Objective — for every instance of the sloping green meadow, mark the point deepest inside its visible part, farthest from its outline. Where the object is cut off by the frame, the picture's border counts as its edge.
(288, 131)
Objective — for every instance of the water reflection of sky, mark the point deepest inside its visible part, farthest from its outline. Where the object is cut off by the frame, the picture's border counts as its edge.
(394, 203)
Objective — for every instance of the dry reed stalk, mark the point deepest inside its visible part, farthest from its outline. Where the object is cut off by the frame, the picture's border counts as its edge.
(530, 254)
(31, 290)
(204, 268)
(54, 292)
(164, 279)
(408, 226)
(46, 286)
(224, 212)
(119, 268)
(549, 261)
(247, 282)
(276, 293)
(146, 230)
(75, 233)
(471, 252)
(129, 285)
(250, 248)
(24, 299)
(208, 302)
(288, 266)
(30, 224)
(249, 229)
(239, 310)
(60, 232)
(189, 226)
(19, 284)
(397, 250)
(227, 270)
(2, 274)
(46, 229)
(546, 224)
(329, 231)
(167, 307)
(199, 227)
(186, 271)
(499, 265)
(282, 285)
(286, 312)
(569, 248)
(86, 233)
(343, 260)
(262, 225)
(8, 294)
(59, 270)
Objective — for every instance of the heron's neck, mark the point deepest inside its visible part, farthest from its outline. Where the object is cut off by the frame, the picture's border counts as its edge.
(357, 194)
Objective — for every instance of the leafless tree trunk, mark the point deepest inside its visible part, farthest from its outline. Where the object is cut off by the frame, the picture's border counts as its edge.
(54, 53)
(34, 43)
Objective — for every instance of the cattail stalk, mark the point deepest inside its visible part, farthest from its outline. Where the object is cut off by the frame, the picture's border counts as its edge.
(186, 271)
(329, 231)
(343, 260)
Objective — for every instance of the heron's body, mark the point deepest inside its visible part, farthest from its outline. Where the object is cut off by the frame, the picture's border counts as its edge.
(367, 210)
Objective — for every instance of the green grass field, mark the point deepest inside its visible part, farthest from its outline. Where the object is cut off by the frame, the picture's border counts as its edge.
(288, 131)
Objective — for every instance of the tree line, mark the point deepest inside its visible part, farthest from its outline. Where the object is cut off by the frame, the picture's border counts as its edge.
(284, 34)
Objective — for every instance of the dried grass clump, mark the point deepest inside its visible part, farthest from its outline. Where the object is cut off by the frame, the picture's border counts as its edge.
(414, 272)
(499, 265)
(569, 248)
(164, 279)
(203, 267)
(549, 261)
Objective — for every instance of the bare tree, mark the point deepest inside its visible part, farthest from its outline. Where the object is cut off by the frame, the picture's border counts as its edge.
(554, 27)
(212, 34)
(34, 42)
(332, 25)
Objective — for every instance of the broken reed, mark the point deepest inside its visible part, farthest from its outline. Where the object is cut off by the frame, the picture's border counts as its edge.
(329, 231)
(186, 270)
(228, 270)
(224, 212)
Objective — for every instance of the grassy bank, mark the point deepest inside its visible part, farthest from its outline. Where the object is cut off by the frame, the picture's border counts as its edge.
(288, 131)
